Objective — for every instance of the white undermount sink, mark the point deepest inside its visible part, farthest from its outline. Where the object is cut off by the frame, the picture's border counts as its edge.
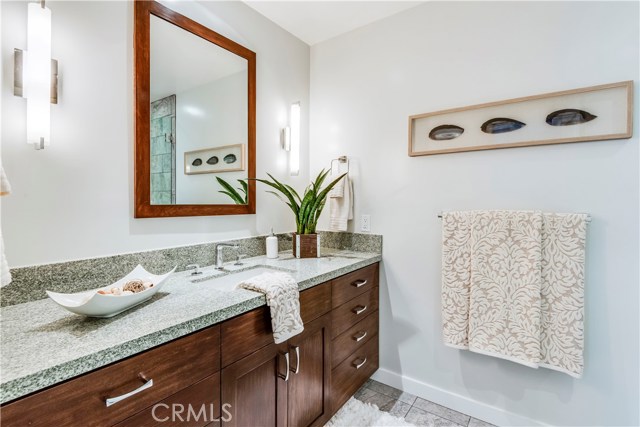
(229, 281)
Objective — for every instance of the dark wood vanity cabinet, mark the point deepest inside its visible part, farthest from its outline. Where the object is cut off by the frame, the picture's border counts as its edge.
(232, 373)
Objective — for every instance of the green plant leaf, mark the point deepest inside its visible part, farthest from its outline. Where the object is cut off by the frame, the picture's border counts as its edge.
(231, 192)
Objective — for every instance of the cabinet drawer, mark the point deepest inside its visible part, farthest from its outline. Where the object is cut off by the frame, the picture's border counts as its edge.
(351, 312)
(81, 401)
(195, 406)
(251, 331)
(352, 373)
(315, 302)
(353, 284)
(354, 337)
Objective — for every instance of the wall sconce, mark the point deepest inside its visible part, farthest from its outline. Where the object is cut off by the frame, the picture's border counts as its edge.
(36, 75)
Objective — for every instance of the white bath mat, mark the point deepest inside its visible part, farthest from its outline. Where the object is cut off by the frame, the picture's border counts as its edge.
(359, 414)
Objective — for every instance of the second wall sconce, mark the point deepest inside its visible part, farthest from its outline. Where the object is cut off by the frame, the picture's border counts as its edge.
(291, 139)
(36, 75)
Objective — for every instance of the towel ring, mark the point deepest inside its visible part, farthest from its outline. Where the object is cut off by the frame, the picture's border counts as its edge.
(341, 159)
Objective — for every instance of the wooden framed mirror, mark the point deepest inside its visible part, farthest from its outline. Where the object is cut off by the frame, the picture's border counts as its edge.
(195, 118)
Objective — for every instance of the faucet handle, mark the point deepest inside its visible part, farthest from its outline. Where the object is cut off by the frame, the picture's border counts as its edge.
(239, 257)
(195, 268)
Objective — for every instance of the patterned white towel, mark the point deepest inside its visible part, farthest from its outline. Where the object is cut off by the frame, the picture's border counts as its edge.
(512, 286)
(283, 299)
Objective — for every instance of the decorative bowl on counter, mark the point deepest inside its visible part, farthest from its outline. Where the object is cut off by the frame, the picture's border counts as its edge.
(111, 300)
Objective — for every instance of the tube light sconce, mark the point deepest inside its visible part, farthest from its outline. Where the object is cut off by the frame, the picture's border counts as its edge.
(35, 75)
(294, 152)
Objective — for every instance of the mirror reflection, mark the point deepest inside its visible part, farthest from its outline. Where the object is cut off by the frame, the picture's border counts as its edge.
(199, 117)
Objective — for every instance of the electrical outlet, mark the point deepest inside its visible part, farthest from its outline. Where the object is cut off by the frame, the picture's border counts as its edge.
(365, 223)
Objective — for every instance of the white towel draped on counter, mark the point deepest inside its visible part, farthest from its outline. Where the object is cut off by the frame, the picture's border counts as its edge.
(283, 299)
(513, 286)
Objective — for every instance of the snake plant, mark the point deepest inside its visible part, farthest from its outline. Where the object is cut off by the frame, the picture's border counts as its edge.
(240, 199)
(307, 209)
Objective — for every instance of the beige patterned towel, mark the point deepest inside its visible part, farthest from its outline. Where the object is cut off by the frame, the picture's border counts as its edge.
(283, 299)
(512, 286)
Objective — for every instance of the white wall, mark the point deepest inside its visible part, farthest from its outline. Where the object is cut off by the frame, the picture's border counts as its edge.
(211, 115)
(441, 55)
(75, 199)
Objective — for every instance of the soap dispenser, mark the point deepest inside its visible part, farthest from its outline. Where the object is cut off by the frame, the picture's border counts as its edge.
(272, 246)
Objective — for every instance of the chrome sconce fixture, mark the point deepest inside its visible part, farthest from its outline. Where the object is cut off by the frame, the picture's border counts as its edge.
(36, 75)
(290, 139)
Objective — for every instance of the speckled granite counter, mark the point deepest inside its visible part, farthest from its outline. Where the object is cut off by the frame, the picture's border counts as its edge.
(43, 344)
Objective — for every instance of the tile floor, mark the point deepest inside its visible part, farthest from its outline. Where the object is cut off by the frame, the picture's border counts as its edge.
(414, 409)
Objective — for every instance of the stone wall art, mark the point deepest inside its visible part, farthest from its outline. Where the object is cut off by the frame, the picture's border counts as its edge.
(228, 158)
(593, 113)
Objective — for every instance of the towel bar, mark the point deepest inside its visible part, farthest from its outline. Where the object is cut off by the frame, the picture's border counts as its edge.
(588, 217)
(341, 159)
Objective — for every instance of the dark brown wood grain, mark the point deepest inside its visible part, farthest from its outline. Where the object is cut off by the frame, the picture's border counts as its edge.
(353, 284)
(346, 315)
(346, 379)
(254, 391)
(308, 245)
(314, 302)
(309, 394)
(245, 334)
(142, 191)
(81, 401)
(203, 397)
(353, 338)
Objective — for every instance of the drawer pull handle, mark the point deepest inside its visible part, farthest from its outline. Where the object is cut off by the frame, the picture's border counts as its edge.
(359, 365)
(295, 371)
(113, 400)
(360, 337)
(359, 283)
(286, 376)
(359, 309)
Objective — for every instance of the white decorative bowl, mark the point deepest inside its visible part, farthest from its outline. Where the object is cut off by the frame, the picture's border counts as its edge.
(91, 303)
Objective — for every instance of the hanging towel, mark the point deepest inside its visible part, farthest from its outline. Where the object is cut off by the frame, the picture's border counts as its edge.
(5, 273)
(341, 207)
(512, 286)
(338, 189)
(563, 256)
(282, 294)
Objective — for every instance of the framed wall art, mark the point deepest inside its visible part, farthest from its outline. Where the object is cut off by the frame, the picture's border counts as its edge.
(228, 158)
(588, 114)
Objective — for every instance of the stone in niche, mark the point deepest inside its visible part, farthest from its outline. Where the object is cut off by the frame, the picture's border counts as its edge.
(212, 160)
(230, 158)
(196, 162)
(569, 116)
(445, 132)
(501, 125)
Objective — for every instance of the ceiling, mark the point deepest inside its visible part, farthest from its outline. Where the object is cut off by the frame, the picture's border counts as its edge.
(316, 21)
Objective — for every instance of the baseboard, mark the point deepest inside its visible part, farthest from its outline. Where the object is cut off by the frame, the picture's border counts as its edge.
(482, 411)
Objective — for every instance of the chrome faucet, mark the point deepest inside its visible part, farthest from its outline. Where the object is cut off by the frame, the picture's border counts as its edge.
(219, 249)
(195, 268)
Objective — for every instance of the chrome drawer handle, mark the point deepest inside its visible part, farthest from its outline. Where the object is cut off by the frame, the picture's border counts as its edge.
(359, 283)
(295, 371)
(361, 337)
(359, 309)
(113, 400)
(359, 365)
(285, 376)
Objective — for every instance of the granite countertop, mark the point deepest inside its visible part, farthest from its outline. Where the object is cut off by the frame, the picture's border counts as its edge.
(43, 344)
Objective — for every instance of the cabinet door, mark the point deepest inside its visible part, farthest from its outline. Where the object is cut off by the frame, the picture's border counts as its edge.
(308, 399)
(254, 392)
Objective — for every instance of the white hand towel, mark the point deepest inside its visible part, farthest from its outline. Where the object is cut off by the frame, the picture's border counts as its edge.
(341, 208)
(5, 273)
(283, 298)
(338, 189)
